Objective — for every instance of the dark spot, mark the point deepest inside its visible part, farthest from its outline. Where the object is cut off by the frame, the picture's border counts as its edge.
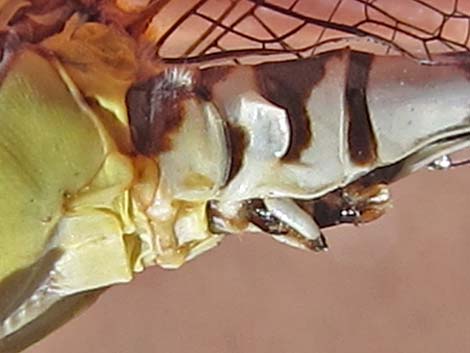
(236, 137)
(289, 85)
(361, 138)
(326, 210)
(156, 112)
(238, 142)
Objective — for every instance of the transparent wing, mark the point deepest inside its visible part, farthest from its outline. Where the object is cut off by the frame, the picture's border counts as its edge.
(251, 30)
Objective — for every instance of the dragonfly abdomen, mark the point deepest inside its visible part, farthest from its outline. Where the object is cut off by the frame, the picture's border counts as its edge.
(304, 129)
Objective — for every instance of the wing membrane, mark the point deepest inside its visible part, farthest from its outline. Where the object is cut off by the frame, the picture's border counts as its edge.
(250, 30)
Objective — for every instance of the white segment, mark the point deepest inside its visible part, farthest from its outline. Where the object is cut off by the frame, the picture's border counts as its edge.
(266, 126)
(269, 133)
(290, 213)
(322, 164)
(196, 166)
(412, 105)
(325, 164)
(192, 171)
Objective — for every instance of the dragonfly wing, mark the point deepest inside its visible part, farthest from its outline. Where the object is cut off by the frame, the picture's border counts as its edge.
(201, 31)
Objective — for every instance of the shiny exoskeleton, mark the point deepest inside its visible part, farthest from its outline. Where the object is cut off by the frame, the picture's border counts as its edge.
(113, 160)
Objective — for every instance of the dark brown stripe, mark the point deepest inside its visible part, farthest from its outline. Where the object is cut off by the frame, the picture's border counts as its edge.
(238, 142)
(155, 113)
(361, 138)
(289, 85)
(236, 137)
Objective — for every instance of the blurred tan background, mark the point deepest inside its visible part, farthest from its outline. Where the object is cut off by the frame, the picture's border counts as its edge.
(401, 284)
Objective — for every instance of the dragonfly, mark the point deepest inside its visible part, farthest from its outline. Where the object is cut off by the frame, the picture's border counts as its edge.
(141, 133)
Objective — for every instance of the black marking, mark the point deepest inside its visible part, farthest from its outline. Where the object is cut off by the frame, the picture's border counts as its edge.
(361, 139)
(238, 142)
(260, 216)
(236, 137)
(289, 85)
(326, 210)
